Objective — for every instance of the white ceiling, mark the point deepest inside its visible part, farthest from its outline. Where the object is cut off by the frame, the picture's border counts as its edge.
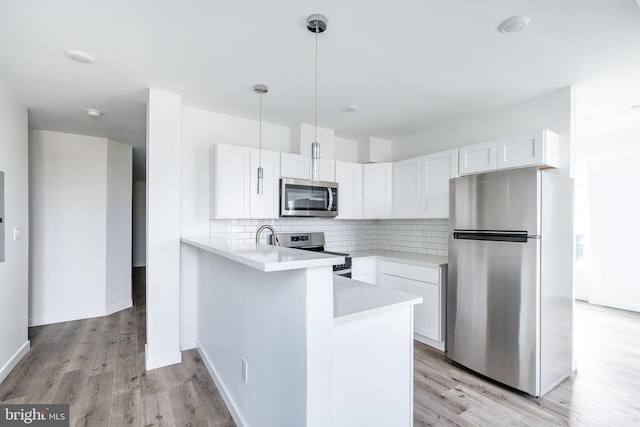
(407, 64)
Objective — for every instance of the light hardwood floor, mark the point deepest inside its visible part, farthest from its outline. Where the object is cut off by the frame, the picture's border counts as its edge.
(97, 366)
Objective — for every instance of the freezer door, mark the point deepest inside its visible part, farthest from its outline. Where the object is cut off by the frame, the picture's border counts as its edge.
(503, 200)
(492, 309)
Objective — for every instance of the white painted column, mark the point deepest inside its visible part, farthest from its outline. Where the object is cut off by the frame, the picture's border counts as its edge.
(319, 335)
(163, 229)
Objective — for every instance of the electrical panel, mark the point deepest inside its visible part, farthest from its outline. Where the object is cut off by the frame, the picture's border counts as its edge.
(2, 220)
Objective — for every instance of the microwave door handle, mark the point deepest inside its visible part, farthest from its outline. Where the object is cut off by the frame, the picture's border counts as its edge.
(330, 198)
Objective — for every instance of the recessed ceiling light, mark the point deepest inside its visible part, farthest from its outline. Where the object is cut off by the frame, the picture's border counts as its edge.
(350, 108)
(513, 24)
(94, 112)
(79, 56)
(636, 108)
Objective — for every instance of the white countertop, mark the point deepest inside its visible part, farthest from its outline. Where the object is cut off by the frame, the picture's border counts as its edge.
(403, 257)
(353, 299)
(260, 256)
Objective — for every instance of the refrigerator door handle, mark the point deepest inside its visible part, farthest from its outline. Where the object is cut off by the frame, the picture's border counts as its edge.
(492, 235)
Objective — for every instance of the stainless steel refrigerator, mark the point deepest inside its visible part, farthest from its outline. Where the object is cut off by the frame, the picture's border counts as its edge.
(510, 277)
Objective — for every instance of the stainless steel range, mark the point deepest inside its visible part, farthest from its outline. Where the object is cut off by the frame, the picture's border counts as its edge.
(314, 242)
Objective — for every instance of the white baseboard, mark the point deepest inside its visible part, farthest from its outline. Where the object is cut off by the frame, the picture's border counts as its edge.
(13, 361)
(615, 304)
(122, 305)
(162, 360)
(428, 341)
(64, 317)
(79, 315)
(188, 343)
(228, 400)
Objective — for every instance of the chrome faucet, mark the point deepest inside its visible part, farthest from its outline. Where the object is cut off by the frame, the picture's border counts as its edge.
(275, 240)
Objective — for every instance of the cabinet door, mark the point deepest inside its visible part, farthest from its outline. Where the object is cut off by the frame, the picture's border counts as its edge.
(377, 194)
(295, 166)
(478, 158)
(438, 169)
(265, 205)
(349, 179)
(364, 270)
(327, 170)
(426, 316)
(229, 181)
(533, 149)
(408, 193)
(393, 282)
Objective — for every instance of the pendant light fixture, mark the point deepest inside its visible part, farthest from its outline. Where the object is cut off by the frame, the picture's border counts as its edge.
(316, 24)
(260, 90)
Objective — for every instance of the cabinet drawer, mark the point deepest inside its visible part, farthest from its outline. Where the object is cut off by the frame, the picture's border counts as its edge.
(426, 320)
(423, 274)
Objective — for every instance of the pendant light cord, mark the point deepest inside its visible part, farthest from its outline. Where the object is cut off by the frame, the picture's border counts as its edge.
(315, 118)
(260, 159)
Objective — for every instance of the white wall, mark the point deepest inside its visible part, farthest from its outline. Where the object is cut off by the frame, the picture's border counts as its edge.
(80, 254)
(613, 212)
(346, 150)
(552, 111)
(68, 193)
(119, 217)
(14, 273)
(163, 228)
(303, 136)
(200, 130)
(278, 323)
(607, 144)
(139, 223)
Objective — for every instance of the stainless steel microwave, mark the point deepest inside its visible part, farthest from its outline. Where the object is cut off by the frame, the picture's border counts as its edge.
(301, 197)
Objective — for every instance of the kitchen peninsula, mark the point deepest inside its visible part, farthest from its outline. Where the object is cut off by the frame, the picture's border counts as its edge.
(287, 343)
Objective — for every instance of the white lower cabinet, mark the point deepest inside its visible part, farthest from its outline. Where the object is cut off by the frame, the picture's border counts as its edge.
(364, 270)
(393, 282)
(426, 320)
(428, 282)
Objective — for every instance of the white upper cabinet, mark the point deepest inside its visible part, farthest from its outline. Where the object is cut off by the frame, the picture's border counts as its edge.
(349, 179)
(327, 170)
(421, 185)
(438, 169)
(408, 189)
(377, 194)
(229, 178)
(295, 166)
(478, 158)
(265, 205)
(540, 148)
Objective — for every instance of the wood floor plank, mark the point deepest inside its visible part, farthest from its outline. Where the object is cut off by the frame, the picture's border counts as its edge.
(97, 366)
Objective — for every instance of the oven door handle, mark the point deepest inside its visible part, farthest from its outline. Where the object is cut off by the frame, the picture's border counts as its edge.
(330, 198)
(342, 272)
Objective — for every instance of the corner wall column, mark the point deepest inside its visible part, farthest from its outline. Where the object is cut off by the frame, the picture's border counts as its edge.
(164, 121)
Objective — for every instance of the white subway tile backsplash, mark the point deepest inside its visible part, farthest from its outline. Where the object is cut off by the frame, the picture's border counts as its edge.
(428, 236)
